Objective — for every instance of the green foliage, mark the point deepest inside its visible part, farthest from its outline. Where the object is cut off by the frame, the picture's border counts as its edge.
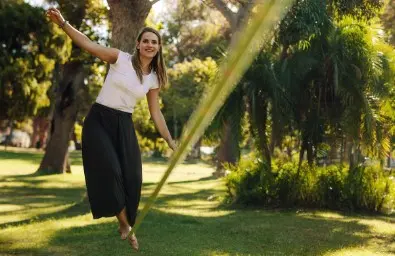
(29, 48)
(326, 79)
(369, 188)
(333, 187)
(361, 9)
(388, 19)
(304, 21)
(149, 140)
(330, 187)
(337, 85)
(187, 81)
(91, 18)
(244, 181)
(363, 83)
(78, 131)
(193, 30)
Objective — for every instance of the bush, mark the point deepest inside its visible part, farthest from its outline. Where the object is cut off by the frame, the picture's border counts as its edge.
(243, 182)
(332, 187)
(370, 188)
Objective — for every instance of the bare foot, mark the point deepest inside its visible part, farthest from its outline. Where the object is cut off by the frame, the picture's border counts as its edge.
(133, 242)
(124, 231)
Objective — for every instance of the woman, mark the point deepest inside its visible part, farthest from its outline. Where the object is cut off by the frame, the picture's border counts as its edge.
(110, 151)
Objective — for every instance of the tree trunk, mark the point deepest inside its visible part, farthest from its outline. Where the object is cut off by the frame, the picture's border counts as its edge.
(227, 152)
(127, 18)
(260, 117)
(303, 148)
(333, 152)
(310, 153)
(276, 134)
(66, 107)
(355, 155)
(347, 149)
(195, 153)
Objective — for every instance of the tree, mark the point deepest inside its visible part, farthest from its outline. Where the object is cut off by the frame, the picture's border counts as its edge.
(194, 30)
(332, 76)
(30, 47)
(388, 19)
(322, 77)
(69, 84)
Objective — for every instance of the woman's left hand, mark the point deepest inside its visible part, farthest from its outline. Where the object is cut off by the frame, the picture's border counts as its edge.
(172, 145)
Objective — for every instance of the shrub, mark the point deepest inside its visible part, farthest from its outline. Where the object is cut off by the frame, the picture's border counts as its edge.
(369, 188)
(333, 187)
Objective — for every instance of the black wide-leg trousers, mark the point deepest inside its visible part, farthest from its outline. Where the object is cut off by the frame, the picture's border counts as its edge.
(112, 162)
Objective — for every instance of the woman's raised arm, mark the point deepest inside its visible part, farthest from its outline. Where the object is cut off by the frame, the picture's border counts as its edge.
(106, 54)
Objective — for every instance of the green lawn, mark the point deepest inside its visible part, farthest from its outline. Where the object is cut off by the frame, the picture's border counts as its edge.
(47, 215)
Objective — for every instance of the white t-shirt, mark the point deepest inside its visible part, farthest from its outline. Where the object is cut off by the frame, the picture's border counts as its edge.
(122, 88)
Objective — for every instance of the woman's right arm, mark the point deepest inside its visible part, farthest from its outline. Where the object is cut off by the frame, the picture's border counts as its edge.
(106, 54)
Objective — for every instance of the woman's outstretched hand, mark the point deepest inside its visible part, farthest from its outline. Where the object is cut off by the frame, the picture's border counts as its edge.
(172, 145)
(55, 16)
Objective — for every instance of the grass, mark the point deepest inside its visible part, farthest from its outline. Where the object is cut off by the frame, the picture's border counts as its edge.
(49, 215)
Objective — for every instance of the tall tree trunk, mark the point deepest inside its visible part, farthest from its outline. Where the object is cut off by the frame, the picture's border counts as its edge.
(260, 118)
(227, 152)
(127, 18)
(347, 148)
(310, 153)
(65, 114)
(333, 152)
(303, 148)
(56, 75)
(355, 155)
(277, 131)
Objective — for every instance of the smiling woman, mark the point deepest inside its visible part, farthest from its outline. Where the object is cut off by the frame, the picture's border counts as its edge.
(110, 150)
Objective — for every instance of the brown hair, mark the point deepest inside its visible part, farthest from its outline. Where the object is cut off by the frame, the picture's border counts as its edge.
(157, 64)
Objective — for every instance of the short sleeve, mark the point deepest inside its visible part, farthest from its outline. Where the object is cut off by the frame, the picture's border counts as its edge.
(122, 58)
(155, 83)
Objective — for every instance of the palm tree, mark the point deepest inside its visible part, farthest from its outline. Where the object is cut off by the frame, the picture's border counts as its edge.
(323, 77)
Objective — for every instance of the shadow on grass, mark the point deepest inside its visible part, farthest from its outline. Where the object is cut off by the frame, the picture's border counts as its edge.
(29, 195)
(147, 184)
(238, 233)
(35, 157)
(31, 157)
(216, 232)
(73, 210)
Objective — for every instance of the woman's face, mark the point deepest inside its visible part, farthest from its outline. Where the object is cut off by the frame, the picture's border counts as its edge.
(149, 45)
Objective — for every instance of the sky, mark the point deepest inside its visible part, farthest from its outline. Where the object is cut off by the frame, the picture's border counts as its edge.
(158, 7)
